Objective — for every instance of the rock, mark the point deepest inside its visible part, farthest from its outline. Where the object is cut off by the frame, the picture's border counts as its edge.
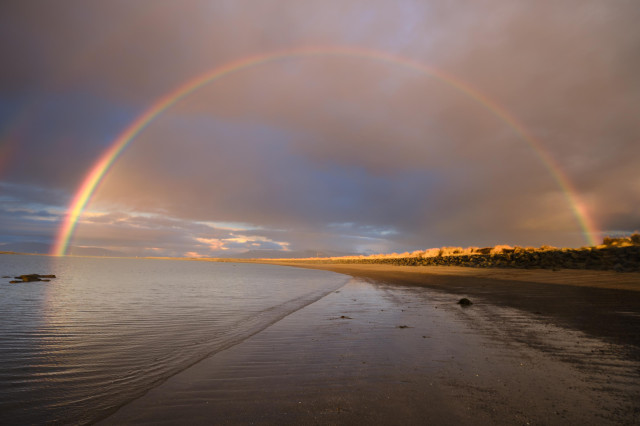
(29, 277)
(33, 277)
(6, 276)
(403, 326)
(464, 302)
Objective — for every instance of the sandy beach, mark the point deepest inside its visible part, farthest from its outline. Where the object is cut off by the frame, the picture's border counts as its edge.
(393, 347)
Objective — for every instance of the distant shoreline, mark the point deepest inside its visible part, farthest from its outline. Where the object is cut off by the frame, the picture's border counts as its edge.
(620, 255)
(615, 254)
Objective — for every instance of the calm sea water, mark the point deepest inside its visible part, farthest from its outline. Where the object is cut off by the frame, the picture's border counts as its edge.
(107, 330)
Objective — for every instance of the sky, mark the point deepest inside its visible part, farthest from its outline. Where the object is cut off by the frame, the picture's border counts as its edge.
(516, 123)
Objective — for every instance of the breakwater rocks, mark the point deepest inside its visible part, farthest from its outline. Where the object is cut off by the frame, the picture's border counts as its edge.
(621, 259)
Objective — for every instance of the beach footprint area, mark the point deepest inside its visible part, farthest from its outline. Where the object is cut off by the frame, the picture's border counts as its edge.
(381, 353)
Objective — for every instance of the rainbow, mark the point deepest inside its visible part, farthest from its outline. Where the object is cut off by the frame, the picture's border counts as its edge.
(100, 168)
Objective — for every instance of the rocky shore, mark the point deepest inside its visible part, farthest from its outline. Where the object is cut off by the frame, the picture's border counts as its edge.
(611, 258)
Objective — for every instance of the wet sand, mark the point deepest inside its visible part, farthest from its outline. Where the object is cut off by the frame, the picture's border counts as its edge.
(605, 304)
(393, 347)
(426, 274)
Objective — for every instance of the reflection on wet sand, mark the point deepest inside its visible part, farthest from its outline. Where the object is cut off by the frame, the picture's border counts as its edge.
(374, 353)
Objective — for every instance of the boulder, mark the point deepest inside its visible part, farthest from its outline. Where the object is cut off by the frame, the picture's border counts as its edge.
(29, 277)
(33, 277)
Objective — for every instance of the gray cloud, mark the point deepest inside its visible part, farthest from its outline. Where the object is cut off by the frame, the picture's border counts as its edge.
(303, 146)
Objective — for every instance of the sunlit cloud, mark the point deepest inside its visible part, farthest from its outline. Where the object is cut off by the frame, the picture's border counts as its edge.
(214, 244)
(239, 243)
(231, 226)
(194, 254)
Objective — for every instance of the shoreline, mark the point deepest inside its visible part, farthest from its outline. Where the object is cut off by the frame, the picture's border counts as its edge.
(388, 351)
(603, 304)
(615, 254)
(418, 275)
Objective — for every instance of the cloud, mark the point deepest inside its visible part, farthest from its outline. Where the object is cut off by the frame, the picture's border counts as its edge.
(158, 235)
(215, 244)
(323, 152)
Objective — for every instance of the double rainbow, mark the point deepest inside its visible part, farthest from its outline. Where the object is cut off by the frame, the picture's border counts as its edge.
(100, 168)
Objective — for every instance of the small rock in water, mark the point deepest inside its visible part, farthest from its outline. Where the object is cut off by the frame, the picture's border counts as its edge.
(6, 276)
(464, 302)
(29, 277)
(403, 326)
(33, 277)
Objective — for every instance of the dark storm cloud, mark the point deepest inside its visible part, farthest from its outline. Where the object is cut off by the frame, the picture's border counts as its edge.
(255, 176)
(28, 225)
(55, 139)
(327, 152)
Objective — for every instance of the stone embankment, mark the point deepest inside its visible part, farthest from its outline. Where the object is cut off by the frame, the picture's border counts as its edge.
(621, 259)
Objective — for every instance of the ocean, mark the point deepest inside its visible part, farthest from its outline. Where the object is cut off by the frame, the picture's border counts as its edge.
(105, 331)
